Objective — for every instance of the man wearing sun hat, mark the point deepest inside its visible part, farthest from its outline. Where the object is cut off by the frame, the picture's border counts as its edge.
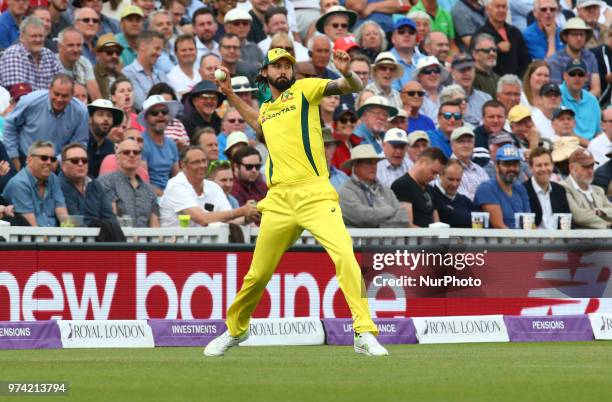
(575, 34)
(108, 67)
(336, 22)
(385, 71)
(365, 201)
(103, 116)
(204, 98)
(159, 151)
(373, 116)
(300, 196)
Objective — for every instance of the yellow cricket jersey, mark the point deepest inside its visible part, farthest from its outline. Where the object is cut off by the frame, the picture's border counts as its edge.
(292, 129)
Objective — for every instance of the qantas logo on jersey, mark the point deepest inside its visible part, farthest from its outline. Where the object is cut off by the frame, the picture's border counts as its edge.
(288, 109)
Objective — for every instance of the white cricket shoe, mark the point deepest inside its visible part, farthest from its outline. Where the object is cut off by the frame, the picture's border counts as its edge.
(220, 345)
(367, 344)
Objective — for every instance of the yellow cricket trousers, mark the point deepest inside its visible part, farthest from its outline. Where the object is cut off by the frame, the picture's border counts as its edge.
(286, 211)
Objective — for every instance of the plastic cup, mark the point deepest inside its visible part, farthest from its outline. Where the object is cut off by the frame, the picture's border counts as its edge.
(563, 221)
(524, 220)
(480, 220)
(72, 221)
(125, 221)
(184, 220)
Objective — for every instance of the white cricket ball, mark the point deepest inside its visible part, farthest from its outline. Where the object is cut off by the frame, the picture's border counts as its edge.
(220, 74)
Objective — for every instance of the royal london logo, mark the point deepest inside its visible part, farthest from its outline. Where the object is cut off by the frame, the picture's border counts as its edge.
(286, 96)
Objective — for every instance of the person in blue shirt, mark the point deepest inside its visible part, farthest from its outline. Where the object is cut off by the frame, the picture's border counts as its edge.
(159, 151)
(10, 20)
(449, 118)
(373, 116)
(582, 102)
(543, 37)
(48, 115)
(504, 195)
(35, 191)
(83, 195)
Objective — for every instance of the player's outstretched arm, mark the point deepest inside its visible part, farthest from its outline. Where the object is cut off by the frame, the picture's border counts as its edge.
(250, 115)
(346, 84)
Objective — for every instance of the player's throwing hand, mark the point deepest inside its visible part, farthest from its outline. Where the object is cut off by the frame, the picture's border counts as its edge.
(342, 61)
(225, 86)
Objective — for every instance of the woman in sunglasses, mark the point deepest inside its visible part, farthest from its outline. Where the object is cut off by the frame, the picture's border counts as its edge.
(345, 120)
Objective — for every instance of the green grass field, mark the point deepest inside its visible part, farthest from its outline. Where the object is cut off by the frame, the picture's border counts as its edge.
(576, 371)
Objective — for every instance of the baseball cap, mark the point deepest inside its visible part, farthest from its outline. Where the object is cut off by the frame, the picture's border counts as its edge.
(582, 157)
(503, 137)
(423, 63)
(563, 110)
(460, 132)
(18, 90)
(107, 40)
(400, 113)
(237, 14)
(346, 43)
(507, 153)
(548, 88)
(575, 65)
(462, 61)
(131, 10)
(242, 84)
(343, 108)
(275, 54)
(417, 135)
(403, 22)
(518, 113)
(396, 136)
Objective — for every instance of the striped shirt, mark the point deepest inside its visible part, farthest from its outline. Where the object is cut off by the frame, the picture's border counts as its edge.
(473, 176)
(176, 132)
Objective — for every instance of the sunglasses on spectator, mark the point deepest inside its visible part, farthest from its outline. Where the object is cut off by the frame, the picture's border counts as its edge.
(345, 120)
(337, 25)
(241, 22)
(449, 115)
(111, 52)
(129, 152)
(387, 68)
(218, 163)
(548, 9)
(576, 74)
(76, 161)
(90, 20)
(137, 139)
(429, 71)
(249, 166)
(420, 94)
(409, 31)
(234, 121)
(46, 158)
(487, 50)
(155, 113)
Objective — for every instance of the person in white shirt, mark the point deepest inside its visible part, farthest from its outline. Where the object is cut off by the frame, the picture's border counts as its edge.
(550, 95)
(276, 21)
(396, 163)
(184, 76)
(602, 144)
(188, 193)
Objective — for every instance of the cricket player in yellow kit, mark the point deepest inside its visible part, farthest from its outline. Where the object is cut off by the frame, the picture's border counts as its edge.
(300, 195)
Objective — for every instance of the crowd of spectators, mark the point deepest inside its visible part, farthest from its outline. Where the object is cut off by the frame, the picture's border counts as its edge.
(109, 109)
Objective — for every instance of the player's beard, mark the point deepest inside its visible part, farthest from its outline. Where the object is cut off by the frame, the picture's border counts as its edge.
(282, 83)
